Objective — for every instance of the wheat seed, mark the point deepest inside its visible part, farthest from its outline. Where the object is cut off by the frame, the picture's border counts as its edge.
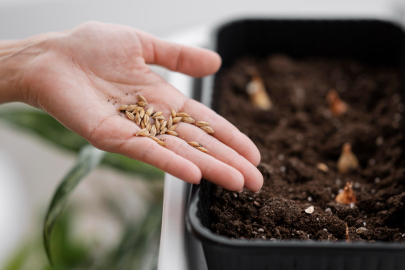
(123, 107)
(154, 138)
(137, 109)
(143, 133)
(207, 129)
(141, 98)
(173, 133)
(172, 128)
(188, 120)
(130, 116)
(146, 119)
(202, 123)
(148, 127)
(142, 113)
(157, 124)
(142, 104)
(153, 131)
(149, 111)
(182, 114)
(176, 120)
(160, 118)
(130, 108)
(156, 114)
(137, 119)
(170, 122)
(202, 149)
(173, 113)
(161, 143)
(163, 130)
(194, 144)
(162, 125)
(143, 125)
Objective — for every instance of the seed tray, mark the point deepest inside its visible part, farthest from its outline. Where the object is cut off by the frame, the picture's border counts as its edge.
(367, 41)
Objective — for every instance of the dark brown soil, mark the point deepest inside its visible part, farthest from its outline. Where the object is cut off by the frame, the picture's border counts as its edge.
(300, 132)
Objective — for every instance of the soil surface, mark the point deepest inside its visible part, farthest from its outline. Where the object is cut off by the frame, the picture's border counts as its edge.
(300, 132)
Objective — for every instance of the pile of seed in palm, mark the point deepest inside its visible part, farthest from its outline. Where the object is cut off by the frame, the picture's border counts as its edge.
(153, 123)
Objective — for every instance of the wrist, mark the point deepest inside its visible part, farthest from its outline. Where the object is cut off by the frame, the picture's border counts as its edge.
(16, 58)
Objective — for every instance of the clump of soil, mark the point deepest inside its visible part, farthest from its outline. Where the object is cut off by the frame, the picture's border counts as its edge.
(300, 132)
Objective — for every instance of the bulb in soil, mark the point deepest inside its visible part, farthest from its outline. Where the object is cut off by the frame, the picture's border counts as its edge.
(336, 106)
(347, 196)
(257, 91)
(347, 161)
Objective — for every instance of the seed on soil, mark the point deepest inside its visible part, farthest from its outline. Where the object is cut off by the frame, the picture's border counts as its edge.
(347, 196)
(207, 129)
(176, 120)
(336, 106)
(149, 111)
(194, 144)
(188, 120)
(142, 113)
(361, 230)
(260, 230)
(130, 116)
(202, 149)
(161, 143)
(143, 133)
(174, 113)
(172, 128)
(202, 123)
(123, 107)
(182, 114)
(257, 91)
(256, 203)
(173, 133)
(310, 210)
(170, 122)
(131, 108)
(137, 119)
(322, 167)
(347, 160)
(153, 131)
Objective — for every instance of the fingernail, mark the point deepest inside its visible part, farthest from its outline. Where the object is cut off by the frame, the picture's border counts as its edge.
(240, 191)
(257, 192)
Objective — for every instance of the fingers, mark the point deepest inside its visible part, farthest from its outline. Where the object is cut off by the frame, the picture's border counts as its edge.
(117, 134)
(253, 179)
(224, 131)
(192, 61)
(148, 151)
(211, 168)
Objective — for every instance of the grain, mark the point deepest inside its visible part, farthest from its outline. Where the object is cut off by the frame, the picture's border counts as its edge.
(173, 133)
(142, 113)
(188, 120)
(130, 116)
(131, 108)
(202, 149)
(137, 119)
(202, 123)
(182, 114)
(149, 111)
(146, 119)
(194, 144)
(172, 128)
(161, 143)
(153, 131)
(173, 113)
(123, 107)
(207, 129)
(143, 133)
(170, 122)
(176, 120)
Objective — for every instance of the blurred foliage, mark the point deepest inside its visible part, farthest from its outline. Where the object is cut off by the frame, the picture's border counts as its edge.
(52, 131)
(71, 253)
(89, 158)
(139, 242)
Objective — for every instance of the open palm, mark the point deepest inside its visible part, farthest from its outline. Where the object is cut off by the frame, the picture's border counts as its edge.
(83, 75)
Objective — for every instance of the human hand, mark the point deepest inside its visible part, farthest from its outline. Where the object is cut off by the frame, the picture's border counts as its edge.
(81, 77)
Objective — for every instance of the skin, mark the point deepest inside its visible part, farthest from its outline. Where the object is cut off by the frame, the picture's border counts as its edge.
(72, 74)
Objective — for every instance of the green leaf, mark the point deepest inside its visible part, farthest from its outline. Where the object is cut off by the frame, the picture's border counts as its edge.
(52, 131)
(88, 159)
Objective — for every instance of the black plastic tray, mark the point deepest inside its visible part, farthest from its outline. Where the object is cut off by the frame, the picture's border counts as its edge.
(368, 41)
